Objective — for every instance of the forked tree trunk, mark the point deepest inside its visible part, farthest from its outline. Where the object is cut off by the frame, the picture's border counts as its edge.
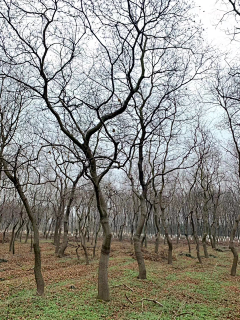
(136, 239)
(4, 232)
(83, 243)
(169, 241)
(232, 247)
(66, 218)
(18, 232)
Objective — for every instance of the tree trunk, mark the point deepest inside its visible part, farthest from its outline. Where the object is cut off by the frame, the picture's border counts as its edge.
(83, 243)
(232, 247)
(64, 244)
(49, 229)
(157, 241)
(120, 234)
(195, 238)
(188, 242)
(32, 218)
(12, 241)
(66, 217)
(178, 232)
(4, 232)
(27, 234)
(95, 240)
(56, 239)
(136, 240)
(170, 247)
(204, 243)
(205, 227)
(103, 287)
(37, 262)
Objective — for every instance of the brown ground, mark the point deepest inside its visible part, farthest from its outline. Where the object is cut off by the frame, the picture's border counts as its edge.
(17, 272)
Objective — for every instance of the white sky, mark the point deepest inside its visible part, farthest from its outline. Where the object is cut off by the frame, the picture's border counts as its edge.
(211, 13)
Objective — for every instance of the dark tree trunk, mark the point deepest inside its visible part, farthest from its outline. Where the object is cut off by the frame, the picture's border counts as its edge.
(95, 240)
(136, 240)
(66, 217)
(27, 234)
(232, 247)
(186, 234)
(170, 247)
(83, 243)
(56, 239)
(4, 232)
(157, 242)
(32, 218)
(103, 287)
(204, 243)
(120, 234)
(195, 238)
(12, 241)
(188, 242)
(49, 229)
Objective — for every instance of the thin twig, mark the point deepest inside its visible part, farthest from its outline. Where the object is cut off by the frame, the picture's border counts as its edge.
(128, 299)
(128, 287)
(120, 285)
(146, 299)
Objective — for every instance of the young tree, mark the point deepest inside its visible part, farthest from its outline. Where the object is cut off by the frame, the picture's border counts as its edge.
(13, 163)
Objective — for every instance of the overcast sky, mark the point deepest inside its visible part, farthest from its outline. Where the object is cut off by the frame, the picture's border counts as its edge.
(211, 13)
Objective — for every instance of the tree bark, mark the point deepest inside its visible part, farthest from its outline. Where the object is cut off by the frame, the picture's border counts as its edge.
(195, 238)
(204, 243)
(12, 241)
(27, 234)
(32, 218)
(66, 217)
(103, 287)
(170, 247)
(136, 240)
(232, 247)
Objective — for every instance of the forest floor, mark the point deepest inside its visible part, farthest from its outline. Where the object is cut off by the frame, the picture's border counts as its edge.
(183, 290)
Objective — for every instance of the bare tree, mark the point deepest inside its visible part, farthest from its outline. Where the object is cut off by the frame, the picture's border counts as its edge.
(12, 103)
